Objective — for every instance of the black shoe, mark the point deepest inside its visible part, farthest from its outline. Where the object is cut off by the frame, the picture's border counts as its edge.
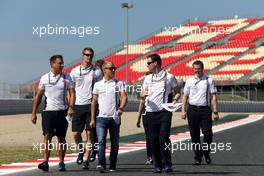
(100, 168)
(79, 160)
(44, 166)
(86, 165)
(168, 169)
(208, 159)
(112, 168)
(62, 167)
(92, 156)
(157, 170)
(197, 162)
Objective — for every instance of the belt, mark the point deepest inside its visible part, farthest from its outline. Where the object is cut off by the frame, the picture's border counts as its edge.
(199, 107)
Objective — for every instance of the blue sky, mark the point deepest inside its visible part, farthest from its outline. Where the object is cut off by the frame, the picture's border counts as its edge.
(24, 56)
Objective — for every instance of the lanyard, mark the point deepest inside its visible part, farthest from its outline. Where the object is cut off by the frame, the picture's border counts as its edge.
(64, 88)
(116, 95)
(91, 67)
(197, 82)
(207, 90)
(165, 85)
(54, 83)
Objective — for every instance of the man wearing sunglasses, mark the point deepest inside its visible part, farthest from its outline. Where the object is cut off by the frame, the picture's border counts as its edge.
(54, 86)
(159, 87)
(111, 97)
(84, 77)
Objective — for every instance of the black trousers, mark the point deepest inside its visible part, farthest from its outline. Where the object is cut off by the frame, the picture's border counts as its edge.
(146, 128)
(159, 130)
(95, 138)
(200, 117)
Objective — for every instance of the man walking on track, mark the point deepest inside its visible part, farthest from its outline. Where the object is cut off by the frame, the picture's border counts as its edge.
(142, 113)
(84, 77)
(111, 97)
(159, 87)
(200, 92)
(54, 86)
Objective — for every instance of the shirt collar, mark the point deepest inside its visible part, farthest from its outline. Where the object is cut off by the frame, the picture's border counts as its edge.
(105, 81)
(161, 74)
(201, 78)
(53, 75)
(83, 68)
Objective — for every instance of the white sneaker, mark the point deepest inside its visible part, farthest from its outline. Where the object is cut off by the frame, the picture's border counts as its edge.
(100, 168)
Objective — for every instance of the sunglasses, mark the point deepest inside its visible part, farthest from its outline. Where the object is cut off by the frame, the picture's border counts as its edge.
(111, 68)
(88, 55)
(148, 63)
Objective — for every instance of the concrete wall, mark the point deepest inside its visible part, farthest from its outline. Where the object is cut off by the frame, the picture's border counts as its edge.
(25, 106)
(18, 106)
(228, 106)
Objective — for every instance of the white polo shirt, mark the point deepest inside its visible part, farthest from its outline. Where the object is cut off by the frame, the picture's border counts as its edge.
(83, 79)
(199, 90)
(106, 91)
(55, 90)
(154, 86)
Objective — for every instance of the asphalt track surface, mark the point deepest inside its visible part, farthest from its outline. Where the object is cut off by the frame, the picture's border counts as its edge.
(246, 157)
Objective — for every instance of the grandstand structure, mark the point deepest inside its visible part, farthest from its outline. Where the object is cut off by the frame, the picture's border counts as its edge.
(232, 51)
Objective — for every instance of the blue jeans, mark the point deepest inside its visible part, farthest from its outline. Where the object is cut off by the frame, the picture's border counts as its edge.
(102, 125)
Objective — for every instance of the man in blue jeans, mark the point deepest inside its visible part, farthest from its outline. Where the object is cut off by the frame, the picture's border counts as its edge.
(111, 97)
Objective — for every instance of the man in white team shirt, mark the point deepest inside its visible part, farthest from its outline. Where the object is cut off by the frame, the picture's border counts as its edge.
(107, 94)
(200, 92)
(84, 76)
(54, 86)
(159, 87)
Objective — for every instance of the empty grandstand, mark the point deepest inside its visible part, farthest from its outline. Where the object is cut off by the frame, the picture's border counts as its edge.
(231, 49)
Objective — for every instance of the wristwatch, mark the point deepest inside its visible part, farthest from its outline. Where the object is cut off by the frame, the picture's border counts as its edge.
(71, 106)
(216, 113)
